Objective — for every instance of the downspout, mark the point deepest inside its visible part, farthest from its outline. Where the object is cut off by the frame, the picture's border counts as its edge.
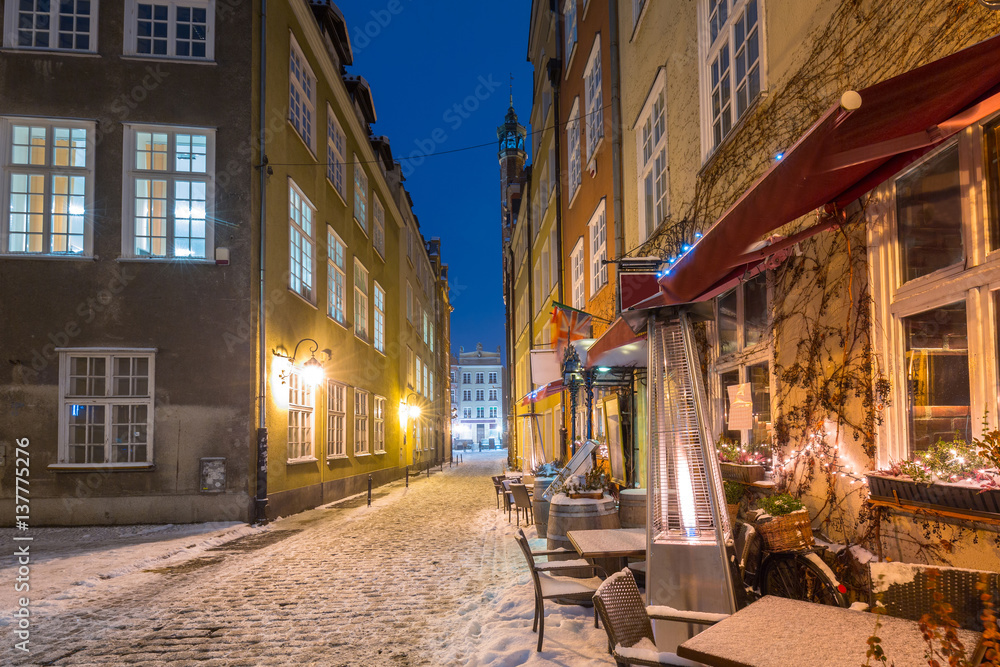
(616, 146)
(260, 500)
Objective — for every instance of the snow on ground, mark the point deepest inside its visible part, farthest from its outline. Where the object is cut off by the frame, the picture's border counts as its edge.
(428, 575)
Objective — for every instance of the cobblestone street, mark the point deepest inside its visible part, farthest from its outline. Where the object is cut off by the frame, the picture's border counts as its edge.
(409, 581)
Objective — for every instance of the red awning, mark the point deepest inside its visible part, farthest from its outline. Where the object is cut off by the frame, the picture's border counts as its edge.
(619, 347)
(842, 156)
(544, 391)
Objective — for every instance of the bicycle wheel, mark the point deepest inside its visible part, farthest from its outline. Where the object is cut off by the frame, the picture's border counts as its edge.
(795, 576)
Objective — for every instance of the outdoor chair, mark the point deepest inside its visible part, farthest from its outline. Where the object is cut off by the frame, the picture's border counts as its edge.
(508, 497)
(627, 619)
(549, 586)
(496, 486)
(522, 501)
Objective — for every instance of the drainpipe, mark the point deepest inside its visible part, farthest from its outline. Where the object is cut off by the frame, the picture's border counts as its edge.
(260, 499)
(616, 146)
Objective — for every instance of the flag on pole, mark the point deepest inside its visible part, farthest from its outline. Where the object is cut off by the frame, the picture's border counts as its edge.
(569, 324)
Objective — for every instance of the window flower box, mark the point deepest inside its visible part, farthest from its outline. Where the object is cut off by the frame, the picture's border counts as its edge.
(968, 497)
(742, 472)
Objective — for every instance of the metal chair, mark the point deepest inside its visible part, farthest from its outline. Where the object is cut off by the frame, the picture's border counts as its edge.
(522, 501)
(548, 586)
(508, 497)
(496, 486)
(626, 619)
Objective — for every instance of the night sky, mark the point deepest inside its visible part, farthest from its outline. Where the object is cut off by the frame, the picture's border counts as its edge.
(422, 59)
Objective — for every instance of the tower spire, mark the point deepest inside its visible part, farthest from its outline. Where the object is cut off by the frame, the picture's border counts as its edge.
(512, 90)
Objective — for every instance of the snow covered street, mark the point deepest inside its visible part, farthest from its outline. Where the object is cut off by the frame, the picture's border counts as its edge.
(429, 575)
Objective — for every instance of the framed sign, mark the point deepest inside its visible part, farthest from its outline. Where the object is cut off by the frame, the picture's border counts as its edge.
(613, 430)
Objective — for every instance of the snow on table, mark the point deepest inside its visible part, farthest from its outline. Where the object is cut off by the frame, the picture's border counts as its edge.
(775, 632)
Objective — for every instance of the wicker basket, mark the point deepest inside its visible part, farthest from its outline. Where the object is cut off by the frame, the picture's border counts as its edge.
(787, 533)
(734, 509)
(745, 474)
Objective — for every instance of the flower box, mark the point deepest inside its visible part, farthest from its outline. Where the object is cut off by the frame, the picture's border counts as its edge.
(899, 491)
(742, 473)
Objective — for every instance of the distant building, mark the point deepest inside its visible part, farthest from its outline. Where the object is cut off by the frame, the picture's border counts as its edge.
(478, 391)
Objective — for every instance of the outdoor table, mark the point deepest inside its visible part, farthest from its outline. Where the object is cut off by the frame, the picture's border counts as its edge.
(777, 632)
(610, 543)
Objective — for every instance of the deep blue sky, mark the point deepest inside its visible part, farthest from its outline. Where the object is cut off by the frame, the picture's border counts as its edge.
(423, 58)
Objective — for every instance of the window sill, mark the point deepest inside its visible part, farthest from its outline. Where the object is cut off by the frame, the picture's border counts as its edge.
(35, 52)
(340, 196)
(380, 452)
(61, 258)
(592, 157)
(340, 323)
(576, 193)
(305, 143)
(102, 467)
(337, 457)
(359, 455)
(303, 299)
(569, 59)
(166, 260)
(307, 459)
(139, 57)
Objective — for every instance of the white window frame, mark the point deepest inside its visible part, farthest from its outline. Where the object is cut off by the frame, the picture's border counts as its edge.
(480, 393)
(109, 400)
(379, 318)
(48, 171)
(569, 31)
(301, 415)
(593, 106)
(362, 441)
(378, 228)
(336, 154)
(132, 36)
(301, 115)
(427, 383)
(360, 195)
(711, 51)
(336, 277)
(361, 289)
(466, 394)
(409, 367)
(597, 231)
(492, 395)
(479, 378)
(378, 423)
(652, 171)
(419, 376)
(12, 38)
(171, 175)
(303, 281)
(493, 412)
(336, 420)
(409, 302)
(481, 413)
(973, 282)
(578, 275)
(466, 378)
(466, 413)
(492, 377)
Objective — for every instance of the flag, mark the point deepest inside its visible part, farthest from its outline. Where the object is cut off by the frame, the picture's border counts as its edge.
(568, 324)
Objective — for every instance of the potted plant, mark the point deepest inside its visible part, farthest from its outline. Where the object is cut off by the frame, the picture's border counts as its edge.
(591, 485)
(734, 494)
(739, 463)
(951, 475)
(785, 525)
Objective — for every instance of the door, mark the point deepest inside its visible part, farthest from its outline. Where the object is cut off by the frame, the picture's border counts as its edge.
(480, 432)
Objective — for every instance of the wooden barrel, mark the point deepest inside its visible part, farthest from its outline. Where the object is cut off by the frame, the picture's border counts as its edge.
(566, 514)
(539, 505)
(632, 508)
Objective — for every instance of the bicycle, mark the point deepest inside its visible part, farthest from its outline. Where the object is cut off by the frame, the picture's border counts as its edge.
(797, 575)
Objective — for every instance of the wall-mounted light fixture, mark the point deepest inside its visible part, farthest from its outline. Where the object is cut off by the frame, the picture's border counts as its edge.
(312, 369)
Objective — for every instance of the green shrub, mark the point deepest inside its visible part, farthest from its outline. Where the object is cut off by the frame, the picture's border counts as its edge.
(734, 492)
(779, 504)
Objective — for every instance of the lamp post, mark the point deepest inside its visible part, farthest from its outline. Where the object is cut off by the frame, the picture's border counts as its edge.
(571, 380)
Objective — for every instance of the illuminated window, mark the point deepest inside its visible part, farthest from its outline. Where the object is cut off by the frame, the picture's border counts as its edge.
(336, 419)
(300, 417)
(336, 153)
(301, 216)
(378, 424)
(301, 95)
(361, 442)
(336, 277)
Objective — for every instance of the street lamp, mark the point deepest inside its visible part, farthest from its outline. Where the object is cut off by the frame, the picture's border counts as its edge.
(312, 369)
(408, 411)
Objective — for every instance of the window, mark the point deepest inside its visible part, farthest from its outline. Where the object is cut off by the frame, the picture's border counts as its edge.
(378, 234)
(169, 192)
(409, 302)
(301, 246)
(479, 394)
(480, 413)
(379, 424)
(579, 296)
(47, 197)
(427, 384)
(336, 419)
(360, 195)
(418, 377)
(360, 299)
(936, 295)
(301, 95)
(466, 378)
(594, 101)
(430, 385)
(168, 28)
(409, 367)
(36, 24)
(598, 250)
(732, 64)
(427, 328)
(431, 341)
(361, 444)
(741, 325)
(569, 29)
(479, 378)
(493, 413)
(379, 318)
(467, 395)
(336, 153)
(300, 417)
(106, 407)
(453, 376)
(493, 378)
(493, 394)
(637, 7)
(467, 413)
(651, 158)
(336, 277)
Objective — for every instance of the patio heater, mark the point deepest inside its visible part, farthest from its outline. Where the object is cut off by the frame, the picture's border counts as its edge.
(689, 538)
